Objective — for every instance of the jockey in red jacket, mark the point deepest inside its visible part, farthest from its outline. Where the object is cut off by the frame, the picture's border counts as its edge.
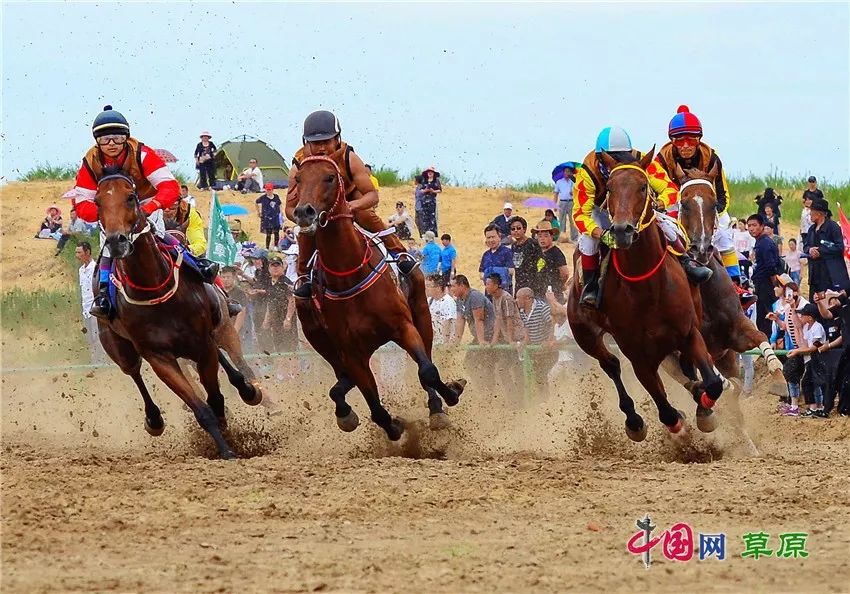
(155, 185)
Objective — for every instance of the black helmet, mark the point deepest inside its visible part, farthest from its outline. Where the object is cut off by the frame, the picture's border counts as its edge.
(321, 125)
(110, 121)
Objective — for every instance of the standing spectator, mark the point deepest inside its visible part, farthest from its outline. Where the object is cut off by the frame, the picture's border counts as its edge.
(526, 253)
(418, 194)
(549, 215)
(768, 266)
(474, 309)
(812, 191)
(413, 249)
(268, 209)
(835, 307)
(205, 162)
(291, 255)
(402, 221)
(86, 273)
(278, 328)
(825, 249)
(792, 260)
(443, 309)
(508, 327)
(539, 330)
(243, 323)
(769, 197)
(744, 244)
(497, 258)
(563, 194)
(448, 259)
(502, 222)
(186, 197)
(554, 272)
(805, 218)
(430, 255)
(813, 381)
(251, 178)
(372, 177)
(772, 221)
(430, 188)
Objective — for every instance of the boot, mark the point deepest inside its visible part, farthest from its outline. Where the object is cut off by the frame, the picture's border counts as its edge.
(406, 266)
(233, 307)
(304, 290)
(696, 272)
(208, 270)
(102, 308)
(590, 293)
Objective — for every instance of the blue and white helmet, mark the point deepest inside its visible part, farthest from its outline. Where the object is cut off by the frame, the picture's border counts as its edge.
(613, 139)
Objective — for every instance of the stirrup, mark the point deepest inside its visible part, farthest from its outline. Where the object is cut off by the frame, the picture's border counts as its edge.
(233, 307)
(696, 272)
(304, 290)
(208, 270)
(101, 308)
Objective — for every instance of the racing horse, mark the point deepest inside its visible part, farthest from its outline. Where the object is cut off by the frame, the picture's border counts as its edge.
(725, 328)
(651, 310)
(357, 304)
(163, 315)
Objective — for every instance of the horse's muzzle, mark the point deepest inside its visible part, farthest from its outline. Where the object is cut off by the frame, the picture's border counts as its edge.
(306, 217)
(624, 235)
(119, 245)
(701, 253)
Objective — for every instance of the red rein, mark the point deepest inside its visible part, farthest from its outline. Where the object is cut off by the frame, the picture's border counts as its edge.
(126, 279)
(643, 277)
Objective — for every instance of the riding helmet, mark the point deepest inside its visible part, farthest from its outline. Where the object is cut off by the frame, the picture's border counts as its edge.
(110, 121)
(684, 123)
(613, 139)
(321, 125)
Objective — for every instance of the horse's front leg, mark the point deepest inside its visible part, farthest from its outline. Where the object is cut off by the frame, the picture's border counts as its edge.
(357, 366)
(429, 376)
(647, 374)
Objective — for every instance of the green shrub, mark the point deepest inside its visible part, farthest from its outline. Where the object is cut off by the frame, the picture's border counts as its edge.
(388, 177)
(47, 172)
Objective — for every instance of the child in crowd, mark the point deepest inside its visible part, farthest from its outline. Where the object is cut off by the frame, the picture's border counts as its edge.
(786, 329)
(814, 374)
(792, 259)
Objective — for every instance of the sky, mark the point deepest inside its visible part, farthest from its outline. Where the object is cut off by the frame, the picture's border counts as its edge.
(490, 93)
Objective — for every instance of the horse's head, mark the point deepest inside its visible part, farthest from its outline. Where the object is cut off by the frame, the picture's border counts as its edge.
(628, 200)
(119, 213)
(321, 193)
(697, 214)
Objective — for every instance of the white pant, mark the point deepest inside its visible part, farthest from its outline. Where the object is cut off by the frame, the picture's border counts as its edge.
(587, 245)
(155, 219)
(724, 237)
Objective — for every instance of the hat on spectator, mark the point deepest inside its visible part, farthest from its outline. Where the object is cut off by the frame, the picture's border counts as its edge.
(809, 309)
(54, 207)
(784, 279)
(275, 256)
(508, 206)
(268, 186)
(429, 236)
(259, 253)
(813, 179)
(821, 205)
(207, 134)
(247, 248)
(544, 225)
(431, 168)
(292, 250)
(235, 225)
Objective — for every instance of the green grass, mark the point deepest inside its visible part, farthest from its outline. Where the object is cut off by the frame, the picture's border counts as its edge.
(388, 177)
(745, 189)
(540, 188)
(48, 172)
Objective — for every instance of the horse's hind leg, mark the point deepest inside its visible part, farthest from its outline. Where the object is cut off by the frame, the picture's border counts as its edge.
(166, 367)
(647, 374)
(429, 375)
(249, 391)
(361, 375)
(125, 355)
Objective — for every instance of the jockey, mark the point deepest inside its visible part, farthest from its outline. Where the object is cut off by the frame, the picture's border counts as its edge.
(589, 193)
(115, 149)
(322, 138)
(687, 150)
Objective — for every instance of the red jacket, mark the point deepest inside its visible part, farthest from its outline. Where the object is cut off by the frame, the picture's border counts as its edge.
(147, 169)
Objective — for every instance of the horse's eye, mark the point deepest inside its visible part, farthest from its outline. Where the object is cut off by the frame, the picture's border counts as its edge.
(643, 188)
(329, 178)
(298, 179)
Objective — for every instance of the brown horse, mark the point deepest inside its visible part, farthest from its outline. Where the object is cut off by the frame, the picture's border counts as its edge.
(358, 306)
(163, 314)
(649, 307)
(725, 328)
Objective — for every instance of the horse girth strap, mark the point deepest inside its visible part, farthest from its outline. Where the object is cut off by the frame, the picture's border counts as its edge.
(642, 224)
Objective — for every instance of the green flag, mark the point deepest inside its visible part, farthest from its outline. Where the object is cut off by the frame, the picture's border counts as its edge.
(221, 246)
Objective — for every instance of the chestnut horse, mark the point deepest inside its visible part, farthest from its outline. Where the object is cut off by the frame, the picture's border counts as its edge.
(358, 305)
(162, 314)
(725, 328)
(649, 308)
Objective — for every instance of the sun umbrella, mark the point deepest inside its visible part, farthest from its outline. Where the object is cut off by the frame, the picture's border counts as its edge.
(229, 210)
(539, 202)
(558, 171)
(165, 155)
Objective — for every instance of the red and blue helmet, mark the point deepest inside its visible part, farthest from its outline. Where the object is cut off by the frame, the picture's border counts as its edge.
(684, 123)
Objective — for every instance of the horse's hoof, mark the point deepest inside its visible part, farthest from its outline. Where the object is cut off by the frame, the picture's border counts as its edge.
(154, 429)
(253, 394)
(438, 421)
(677, 427)
(706, 420)
(349, 422)
(638, 435)
(227, 454)
(395, 430)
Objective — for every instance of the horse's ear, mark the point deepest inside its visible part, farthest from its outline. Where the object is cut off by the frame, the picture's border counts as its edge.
(607, 160)
(680, 174)
(647, 158)
(712, 173)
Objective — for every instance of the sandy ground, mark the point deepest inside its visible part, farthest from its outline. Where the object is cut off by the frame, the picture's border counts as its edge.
(521, 494)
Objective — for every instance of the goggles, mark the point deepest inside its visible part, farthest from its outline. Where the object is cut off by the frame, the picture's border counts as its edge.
(681, 141)
(112, 138)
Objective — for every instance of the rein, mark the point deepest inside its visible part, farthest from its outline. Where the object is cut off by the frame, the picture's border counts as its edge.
(339, 203)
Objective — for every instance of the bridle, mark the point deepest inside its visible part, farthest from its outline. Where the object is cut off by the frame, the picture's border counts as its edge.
(135, 232)
(698, 200)
(339, 204)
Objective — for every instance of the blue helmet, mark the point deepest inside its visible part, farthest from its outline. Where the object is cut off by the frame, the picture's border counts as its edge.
(613, 139)
(110, 121)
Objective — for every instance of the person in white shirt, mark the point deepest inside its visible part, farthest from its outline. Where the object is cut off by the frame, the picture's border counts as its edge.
(402, 221)
(251, 178)
(563, 196)
(744, 244)
(443, 309)
(186, 197)
(291, 254)
(814, 376)
(87, 270)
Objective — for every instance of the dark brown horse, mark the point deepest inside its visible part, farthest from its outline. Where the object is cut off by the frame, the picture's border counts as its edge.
(725, 328)
(163, 314)
(649, 307)
(358, 305)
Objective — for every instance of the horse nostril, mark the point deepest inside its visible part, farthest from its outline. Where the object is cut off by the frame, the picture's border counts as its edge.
(121, 238)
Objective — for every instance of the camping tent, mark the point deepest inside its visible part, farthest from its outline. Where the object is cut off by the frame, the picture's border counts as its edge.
(233, 156)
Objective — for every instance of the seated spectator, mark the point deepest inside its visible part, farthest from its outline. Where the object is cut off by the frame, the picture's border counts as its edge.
(502, 222)
(186, 197)
(76, 226)
(448, 259)
(553, 272)
(402, 221)
(497, 258)
(251, 178)
(549, 215)
(443, 309)
(526, 254)
(430, 262)
(539, 330)
(508, 328)
(473, 309)
(268, 209)
(51, 225)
